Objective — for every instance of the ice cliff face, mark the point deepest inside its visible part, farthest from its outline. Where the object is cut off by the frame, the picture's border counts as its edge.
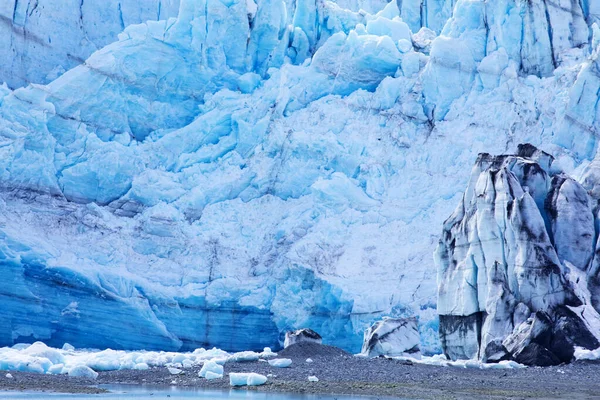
(516, 274)
(186, 190)
(40, 40)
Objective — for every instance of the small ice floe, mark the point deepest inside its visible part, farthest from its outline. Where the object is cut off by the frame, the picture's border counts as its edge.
(175, 371)
(271, 376)
(173, 382)
(313, 379)
(9, 376)
(81, 371)
(246, 379)
(280, 362)
(211, 367)
(309, 360)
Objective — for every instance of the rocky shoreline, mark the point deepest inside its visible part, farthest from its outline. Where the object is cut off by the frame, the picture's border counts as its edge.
(341, 373)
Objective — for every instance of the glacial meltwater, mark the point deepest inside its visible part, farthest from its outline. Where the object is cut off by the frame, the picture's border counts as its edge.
(173, 393)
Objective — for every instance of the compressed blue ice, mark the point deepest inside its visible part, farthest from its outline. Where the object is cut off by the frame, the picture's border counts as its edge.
(232, 169)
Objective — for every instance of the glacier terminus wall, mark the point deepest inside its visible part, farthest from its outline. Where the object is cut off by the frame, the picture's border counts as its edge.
(214, 173)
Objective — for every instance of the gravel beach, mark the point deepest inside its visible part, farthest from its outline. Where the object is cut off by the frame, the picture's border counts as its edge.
(342, 373)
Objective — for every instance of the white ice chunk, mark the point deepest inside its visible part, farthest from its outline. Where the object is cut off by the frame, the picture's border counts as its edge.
(211, 375)
(256, 379)
(246, 379)
(82, 371)
(244, 356)
(280, 362)
(212, 367)
(68, 347)
(175, 371)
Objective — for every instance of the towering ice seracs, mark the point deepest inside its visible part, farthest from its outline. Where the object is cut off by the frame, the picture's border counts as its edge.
(185, 190)
(40, 40)
(516, 276)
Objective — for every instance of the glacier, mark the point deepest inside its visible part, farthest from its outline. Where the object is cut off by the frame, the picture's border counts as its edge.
(516, 277)
(248, 168)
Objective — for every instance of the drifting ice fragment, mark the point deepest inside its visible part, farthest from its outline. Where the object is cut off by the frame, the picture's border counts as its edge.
(313, 379)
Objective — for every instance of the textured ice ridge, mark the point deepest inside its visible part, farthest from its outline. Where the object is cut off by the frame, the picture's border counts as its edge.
(518, 263)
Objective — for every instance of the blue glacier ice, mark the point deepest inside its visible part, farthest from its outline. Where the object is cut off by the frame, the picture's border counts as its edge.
(243, 168)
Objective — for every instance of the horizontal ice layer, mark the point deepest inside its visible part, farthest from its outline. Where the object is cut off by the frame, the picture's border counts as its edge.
(213, 192)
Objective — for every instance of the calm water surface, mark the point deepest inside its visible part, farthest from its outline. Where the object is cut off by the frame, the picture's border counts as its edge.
(174, 393)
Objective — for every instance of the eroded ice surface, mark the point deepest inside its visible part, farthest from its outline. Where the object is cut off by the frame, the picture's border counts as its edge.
(184, 190)
(516, 263)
